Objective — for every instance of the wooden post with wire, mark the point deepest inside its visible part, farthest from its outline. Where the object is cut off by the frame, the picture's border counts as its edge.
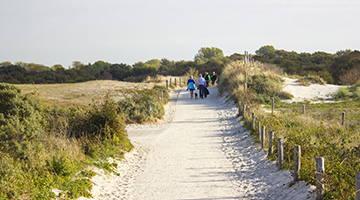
(262, 137)
(303, 108)
(297, 162)
(271, 138)
(253, 121)
(280, 153)
(343, 118)
(320, 171)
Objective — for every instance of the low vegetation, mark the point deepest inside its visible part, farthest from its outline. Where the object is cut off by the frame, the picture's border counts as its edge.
(49, 147)
(310, 79)
(261, 88)
(319, 132)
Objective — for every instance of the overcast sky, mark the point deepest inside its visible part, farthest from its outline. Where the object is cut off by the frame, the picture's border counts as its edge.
(117, 31)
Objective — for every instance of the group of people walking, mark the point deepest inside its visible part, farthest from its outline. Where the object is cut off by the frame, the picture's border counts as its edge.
(202, 83)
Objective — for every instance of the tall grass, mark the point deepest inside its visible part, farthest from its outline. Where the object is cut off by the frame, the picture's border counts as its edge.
(319, 133)
(260, 87)
(309, 79)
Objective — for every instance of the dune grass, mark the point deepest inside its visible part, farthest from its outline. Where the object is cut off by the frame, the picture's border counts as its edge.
(320, 134)
(45, 147)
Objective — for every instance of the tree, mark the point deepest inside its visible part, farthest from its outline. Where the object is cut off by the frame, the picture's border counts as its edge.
(343, 52)
(206, 53)
(265, 49)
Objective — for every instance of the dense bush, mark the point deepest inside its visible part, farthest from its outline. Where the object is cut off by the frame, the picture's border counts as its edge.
(144, 105)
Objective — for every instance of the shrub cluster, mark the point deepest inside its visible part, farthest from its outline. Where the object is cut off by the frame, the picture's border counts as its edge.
(42, 148)
(146, 105)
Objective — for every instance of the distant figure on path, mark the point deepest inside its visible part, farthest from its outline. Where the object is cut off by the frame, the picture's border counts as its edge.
(201, 85)
(214, 79)
(191, 86)
(207, 78)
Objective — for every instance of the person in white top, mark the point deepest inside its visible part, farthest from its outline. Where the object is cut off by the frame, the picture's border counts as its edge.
(201, 85)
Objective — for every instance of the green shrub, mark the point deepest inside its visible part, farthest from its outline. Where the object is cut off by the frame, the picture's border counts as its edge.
(342, 93)
(144, 105)
(357, 92)
(37, 155)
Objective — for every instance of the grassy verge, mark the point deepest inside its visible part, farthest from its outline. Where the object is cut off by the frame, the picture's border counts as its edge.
(49, 147)
(320, 134)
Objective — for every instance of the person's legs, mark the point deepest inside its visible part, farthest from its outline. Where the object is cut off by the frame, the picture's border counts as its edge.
(191, 93)
(201, 91)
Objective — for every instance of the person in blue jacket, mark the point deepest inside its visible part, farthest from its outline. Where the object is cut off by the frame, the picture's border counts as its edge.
(191, 86)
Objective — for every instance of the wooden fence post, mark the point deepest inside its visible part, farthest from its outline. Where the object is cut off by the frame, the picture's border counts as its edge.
(297, 162)
(271, 138)
(280, 152)
(320, 171)
(343, 118)
(167, 84)
(262, 137)
(244, 111)
(253, 121)
(245, 82)
(303, 107)
(180, 81)
(272, 105)
(357, 185)
(170, 82)
(175, 82)
(259, 130)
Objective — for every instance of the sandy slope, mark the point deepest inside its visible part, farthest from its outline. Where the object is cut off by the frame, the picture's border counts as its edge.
(314, 92)
(204, 153)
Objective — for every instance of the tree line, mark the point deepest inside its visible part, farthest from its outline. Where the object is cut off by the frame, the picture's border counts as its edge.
(343, 67)
(207, 59)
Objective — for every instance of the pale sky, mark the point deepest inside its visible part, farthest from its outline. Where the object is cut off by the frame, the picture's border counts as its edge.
(117, 31)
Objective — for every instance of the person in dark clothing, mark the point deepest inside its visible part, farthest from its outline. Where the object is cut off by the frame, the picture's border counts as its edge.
(207, 79)
(214, 79)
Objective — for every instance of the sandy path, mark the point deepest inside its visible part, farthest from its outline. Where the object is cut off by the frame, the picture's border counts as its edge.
(185, 160)
(204, 153)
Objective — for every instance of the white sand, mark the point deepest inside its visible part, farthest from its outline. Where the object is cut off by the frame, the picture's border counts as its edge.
(203, 153)
(313, 93)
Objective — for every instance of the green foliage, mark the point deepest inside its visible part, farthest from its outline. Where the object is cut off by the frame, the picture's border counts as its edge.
(36, 156)
(21, 121)
(328, 66)
(342, 93)
(207, 53)
(265, 49)
(144, 105)
(59, 165)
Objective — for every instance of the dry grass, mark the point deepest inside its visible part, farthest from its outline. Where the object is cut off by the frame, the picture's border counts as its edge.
(86, 93)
